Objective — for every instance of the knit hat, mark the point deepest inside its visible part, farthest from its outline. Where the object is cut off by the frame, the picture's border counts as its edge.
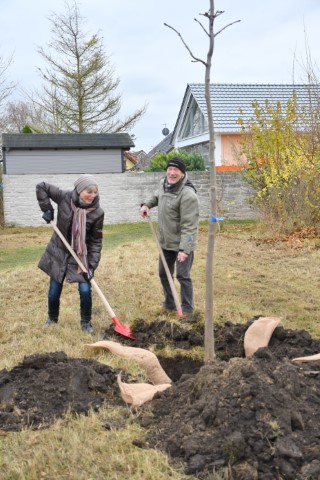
(178, 163)
(84, 182)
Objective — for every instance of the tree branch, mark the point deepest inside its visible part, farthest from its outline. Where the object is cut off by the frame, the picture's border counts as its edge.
(205, 31)
(229, 25)
(184, 43)
(212, 18)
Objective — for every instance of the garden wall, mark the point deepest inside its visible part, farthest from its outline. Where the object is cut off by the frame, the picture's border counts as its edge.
(122, 193)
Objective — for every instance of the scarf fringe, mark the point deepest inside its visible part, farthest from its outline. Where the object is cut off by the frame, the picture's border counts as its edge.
(78, 234)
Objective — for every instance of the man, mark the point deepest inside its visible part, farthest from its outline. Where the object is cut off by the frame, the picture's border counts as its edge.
(178, 219)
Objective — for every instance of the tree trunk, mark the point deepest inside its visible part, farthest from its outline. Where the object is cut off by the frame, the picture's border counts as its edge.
(209, 350)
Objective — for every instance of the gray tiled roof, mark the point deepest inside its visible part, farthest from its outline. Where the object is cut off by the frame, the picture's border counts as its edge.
(228, 99)
(163, 146)
(65, 140)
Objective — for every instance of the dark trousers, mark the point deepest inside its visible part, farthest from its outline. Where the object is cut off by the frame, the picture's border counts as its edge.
(54, 294)
(183, 277)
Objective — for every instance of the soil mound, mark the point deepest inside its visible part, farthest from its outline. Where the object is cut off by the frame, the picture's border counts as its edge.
(229, 338)
(160, 333)
(258, 417)
(255, 417)
(45, 387)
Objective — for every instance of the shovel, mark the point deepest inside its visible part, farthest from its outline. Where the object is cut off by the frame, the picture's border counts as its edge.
(165, 264)
(119, 328)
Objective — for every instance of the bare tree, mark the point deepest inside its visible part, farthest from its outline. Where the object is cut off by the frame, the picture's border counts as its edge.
(79, 90)
(18, 114)
(211, 16)
(6, 87)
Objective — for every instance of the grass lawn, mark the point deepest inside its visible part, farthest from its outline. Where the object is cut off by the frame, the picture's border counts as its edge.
(253, 275)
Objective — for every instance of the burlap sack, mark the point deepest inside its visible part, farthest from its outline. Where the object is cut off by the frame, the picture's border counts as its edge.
(259, 333)
(139, 393)
(146, 359)
(310, 358)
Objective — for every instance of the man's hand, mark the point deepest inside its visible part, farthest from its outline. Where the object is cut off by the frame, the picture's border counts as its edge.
(48, 216)
(144, 211)
(182, 256)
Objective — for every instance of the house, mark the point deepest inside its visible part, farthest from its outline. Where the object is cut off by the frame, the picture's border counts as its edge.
(64, 153)
(130, 160)
(140, 155)
(164, 146)
(134, 160)
(229, 102)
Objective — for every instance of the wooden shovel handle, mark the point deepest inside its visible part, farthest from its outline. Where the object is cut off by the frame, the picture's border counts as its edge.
(165, 264)
(83, 268)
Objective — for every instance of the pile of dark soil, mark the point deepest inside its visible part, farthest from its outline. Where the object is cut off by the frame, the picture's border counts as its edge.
(160, 334)
(45, 387)
(253, 417)
(256, 418)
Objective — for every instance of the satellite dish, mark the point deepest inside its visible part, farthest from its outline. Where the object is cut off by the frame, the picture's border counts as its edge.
(165, 131)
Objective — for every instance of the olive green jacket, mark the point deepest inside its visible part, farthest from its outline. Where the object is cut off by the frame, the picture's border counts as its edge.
(178, 216)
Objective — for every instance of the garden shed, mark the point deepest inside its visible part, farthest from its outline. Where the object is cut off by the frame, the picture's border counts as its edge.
(27, 154)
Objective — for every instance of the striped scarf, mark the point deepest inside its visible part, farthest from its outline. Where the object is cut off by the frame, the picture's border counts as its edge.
(78, 233)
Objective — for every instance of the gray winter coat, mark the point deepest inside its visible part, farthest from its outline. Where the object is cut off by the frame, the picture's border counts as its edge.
(178, 216)
(56, 260)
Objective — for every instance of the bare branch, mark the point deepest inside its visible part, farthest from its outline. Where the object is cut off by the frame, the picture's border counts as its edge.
(205, 31)
(214, 16)
(184, 43)
(229, 25)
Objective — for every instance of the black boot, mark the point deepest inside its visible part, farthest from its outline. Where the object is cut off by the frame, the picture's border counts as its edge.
(86, 326)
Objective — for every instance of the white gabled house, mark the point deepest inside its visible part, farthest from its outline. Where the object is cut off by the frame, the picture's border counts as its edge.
(229, 103)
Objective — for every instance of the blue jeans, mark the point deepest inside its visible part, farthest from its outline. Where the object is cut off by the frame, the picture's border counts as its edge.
(183, 277)
(54, 294)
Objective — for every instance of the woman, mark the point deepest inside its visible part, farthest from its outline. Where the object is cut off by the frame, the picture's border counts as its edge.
(80, 220)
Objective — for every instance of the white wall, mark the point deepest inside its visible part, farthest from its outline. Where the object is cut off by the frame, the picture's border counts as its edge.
(121, 195)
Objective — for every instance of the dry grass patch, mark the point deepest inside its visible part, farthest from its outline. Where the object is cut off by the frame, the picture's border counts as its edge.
(83, 448)
(252, 277)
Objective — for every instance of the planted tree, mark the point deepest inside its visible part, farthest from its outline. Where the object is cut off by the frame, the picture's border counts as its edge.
(79, 88)
(211, 15)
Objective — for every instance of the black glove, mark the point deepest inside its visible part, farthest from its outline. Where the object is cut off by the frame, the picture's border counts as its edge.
(88, 275)
(48, 216)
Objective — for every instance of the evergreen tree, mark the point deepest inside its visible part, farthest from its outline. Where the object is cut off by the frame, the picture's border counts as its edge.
(79, 90)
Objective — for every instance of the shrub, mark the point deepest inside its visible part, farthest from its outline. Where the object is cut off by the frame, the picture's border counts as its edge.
(192, 161)
(282, 151)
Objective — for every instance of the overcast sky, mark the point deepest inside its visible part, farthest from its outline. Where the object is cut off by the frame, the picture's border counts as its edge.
(153, 65)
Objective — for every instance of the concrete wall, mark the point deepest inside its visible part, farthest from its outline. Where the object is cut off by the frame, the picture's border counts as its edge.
(122, 193)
